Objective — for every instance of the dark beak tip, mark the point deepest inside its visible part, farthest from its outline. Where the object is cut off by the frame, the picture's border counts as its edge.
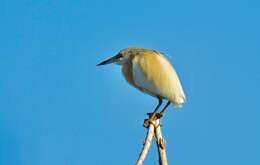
(102, 63)
(108, 61)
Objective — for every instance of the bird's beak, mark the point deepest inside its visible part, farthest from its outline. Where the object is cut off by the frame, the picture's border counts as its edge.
(109, 60)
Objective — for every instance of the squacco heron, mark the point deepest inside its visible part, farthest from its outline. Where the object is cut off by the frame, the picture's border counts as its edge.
(150, 72)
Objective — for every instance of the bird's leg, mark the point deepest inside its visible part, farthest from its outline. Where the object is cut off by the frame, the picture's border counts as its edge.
(160, 114)
(156, 108)
(153, 114)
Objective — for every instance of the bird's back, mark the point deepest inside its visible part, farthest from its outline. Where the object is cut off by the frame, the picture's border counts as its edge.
(151, 72)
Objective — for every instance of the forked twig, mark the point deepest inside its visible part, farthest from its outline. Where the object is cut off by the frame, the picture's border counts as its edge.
(154, 129)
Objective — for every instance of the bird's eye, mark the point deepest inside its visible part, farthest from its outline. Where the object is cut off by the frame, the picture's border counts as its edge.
(120, 55)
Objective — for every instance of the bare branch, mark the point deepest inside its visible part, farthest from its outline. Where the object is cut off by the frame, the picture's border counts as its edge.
(147, 144)
(154, 129)
(161, 146)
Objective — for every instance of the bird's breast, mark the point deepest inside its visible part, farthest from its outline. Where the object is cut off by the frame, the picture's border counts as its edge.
(153, 74)
(127, 72)
(136, 78)
(144, 81)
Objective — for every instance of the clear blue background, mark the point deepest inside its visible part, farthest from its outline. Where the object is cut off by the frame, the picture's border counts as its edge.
(57, 107)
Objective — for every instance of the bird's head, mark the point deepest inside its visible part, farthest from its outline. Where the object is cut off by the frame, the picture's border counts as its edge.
(122, 57)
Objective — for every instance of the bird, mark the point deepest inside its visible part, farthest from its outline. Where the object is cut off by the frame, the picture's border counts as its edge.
(150, 72)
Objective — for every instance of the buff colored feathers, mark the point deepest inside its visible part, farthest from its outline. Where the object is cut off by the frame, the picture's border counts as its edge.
(150, 72)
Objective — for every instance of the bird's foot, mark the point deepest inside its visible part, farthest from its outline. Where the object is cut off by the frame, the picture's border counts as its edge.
(152, 117)
(160, 115)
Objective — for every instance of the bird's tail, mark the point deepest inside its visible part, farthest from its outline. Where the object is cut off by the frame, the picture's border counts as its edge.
(178, 101)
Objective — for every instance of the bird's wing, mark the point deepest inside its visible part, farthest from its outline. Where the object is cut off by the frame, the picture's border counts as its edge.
(153, 72)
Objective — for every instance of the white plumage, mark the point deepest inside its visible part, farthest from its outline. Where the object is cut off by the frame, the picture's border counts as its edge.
(150, 72)
(158, 78)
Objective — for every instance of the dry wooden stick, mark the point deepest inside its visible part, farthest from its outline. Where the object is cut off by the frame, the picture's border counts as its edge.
(153, 125)
(147, 144)
(161, 146)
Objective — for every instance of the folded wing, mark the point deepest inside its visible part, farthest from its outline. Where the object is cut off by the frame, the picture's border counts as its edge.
(153, 73)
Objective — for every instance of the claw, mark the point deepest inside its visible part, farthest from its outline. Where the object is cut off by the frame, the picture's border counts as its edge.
(159, 115)
(146, 123)
(152, 118)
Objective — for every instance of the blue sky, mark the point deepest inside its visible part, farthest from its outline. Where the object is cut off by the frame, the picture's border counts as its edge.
(57, 107)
